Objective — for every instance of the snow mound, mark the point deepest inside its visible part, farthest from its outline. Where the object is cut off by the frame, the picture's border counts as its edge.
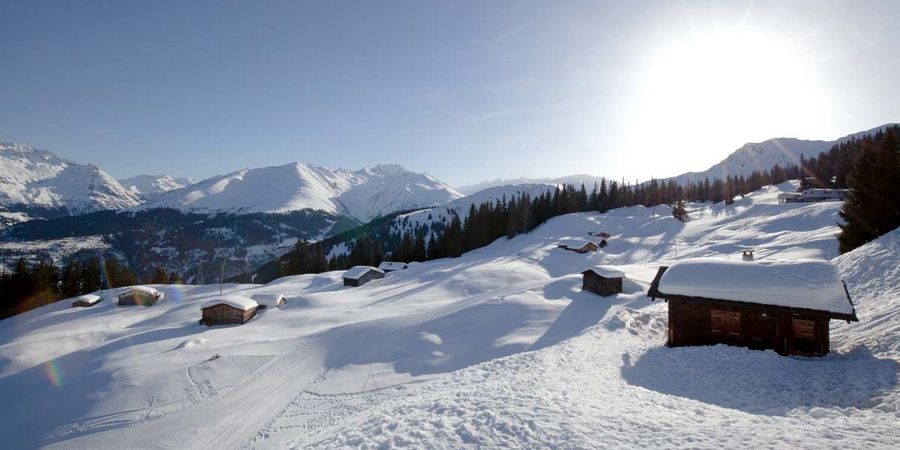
(872, 273)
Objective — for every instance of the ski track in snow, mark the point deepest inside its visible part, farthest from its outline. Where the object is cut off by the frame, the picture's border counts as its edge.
(498, 348)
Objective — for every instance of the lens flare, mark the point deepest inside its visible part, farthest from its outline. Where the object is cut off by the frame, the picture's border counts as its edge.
(54, 373)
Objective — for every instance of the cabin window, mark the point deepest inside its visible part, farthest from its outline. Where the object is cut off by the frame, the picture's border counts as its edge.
(805, 329)
(726, 322)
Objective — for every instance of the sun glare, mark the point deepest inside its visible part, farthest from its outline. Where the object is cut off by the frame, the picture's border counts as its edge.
(699, 94)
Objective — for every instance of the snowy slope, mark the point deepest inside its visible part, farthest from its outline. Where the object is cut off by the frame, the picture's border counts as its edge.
(759, 156)
(362, 194)
(499, 347)
(37, 178)
(461, 206)
(151, 186)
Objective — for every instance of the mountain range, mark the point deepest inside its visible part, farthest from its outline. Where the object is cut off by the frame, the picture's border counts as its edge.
(253, 215)
(752, 156)
(361, 194)
(37, 184)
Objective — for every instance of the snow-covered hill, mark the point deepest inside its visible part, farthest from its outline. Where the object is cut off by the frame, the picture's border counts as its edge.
(151, 186)
(499, 347)
(759, 156)
(33, 178)
(362, 194)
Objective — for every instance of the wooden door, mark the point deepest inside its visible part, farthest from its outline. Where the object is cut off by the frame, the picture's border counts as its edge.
(764, 333)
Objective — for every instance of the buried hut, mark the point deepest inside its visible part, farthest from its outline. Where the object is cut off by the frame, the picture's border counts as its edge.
(603, 280)
(140, 296)
(86, 301)
(228, 309)
(269, 300)
(577, 245)
(360, 275)
(783, 306)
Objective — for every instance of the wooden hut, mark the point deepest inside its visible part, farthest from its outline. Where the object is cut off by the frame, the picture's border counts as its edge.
(141, 296)
(86, 301)
(784, 306)
(603, 280)
(228, 309)
(577, 245)
(360, 275)
(390, 266)
(269, 300)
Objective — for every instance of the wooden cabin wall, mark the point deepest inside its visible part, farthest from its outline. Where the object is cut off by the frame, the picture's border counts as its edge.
(691, 323)
(137, 298)
(225, 314)
(368, 276)
(600, 285)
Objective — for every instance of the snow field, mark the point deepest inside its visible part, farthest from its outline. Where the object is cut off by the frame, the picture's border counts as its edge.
(499, 347)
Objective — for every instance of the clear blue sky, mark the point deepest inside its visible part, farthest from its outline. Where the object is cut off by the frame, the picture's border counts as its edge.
(466, 91)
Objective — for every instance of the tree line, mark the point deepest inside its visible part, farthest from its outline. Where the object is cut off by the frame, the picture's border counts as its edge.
(29, 286)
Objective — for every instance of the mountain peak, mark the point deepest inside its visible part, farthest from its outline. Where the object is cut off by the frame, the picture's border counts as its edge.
(362, 194)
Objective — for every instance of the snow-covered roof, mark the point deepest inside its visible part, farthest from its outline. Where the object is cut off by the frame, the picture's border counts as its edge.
(90, 299)
(237, 301)
(357, 272)
(391, 265)
(268, 299)
(143, 289)
(574, 243)
(607, 271)
(808, 284)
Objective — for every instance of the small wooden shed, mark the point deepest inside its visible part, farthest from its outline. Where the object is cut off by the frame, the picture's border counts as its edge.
(783, 306)
(140, 296)
(228, 309)
(86, 300)
(360, 275)
(390, 266)
(577, 245)
(603, 280)
(269, 300)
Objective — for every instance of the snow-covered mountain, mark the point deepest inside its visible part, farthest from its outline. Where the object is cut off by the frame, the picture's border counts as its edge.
(152, 186)
(759, 156)
(361, 194)
(33, 178)
(577, 180)
(743, 161)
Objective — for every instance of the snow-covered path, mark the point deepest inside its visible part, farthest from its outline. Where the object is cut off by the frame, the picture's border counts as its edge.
(499, 347)
(236, 417)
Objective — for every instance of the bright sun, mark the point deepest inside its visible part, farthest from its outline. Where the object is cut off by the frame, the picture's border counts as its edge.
(705, 92)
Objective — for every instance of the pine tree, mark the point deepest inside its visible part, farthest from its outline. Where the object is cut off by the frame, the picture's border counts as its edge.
(679, 211)
(871, 209)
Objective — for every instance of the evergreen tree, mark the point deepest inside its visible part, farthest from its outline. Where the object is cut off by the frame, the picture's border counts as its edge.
(679, 211)
(872, 209)
(159, 276)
